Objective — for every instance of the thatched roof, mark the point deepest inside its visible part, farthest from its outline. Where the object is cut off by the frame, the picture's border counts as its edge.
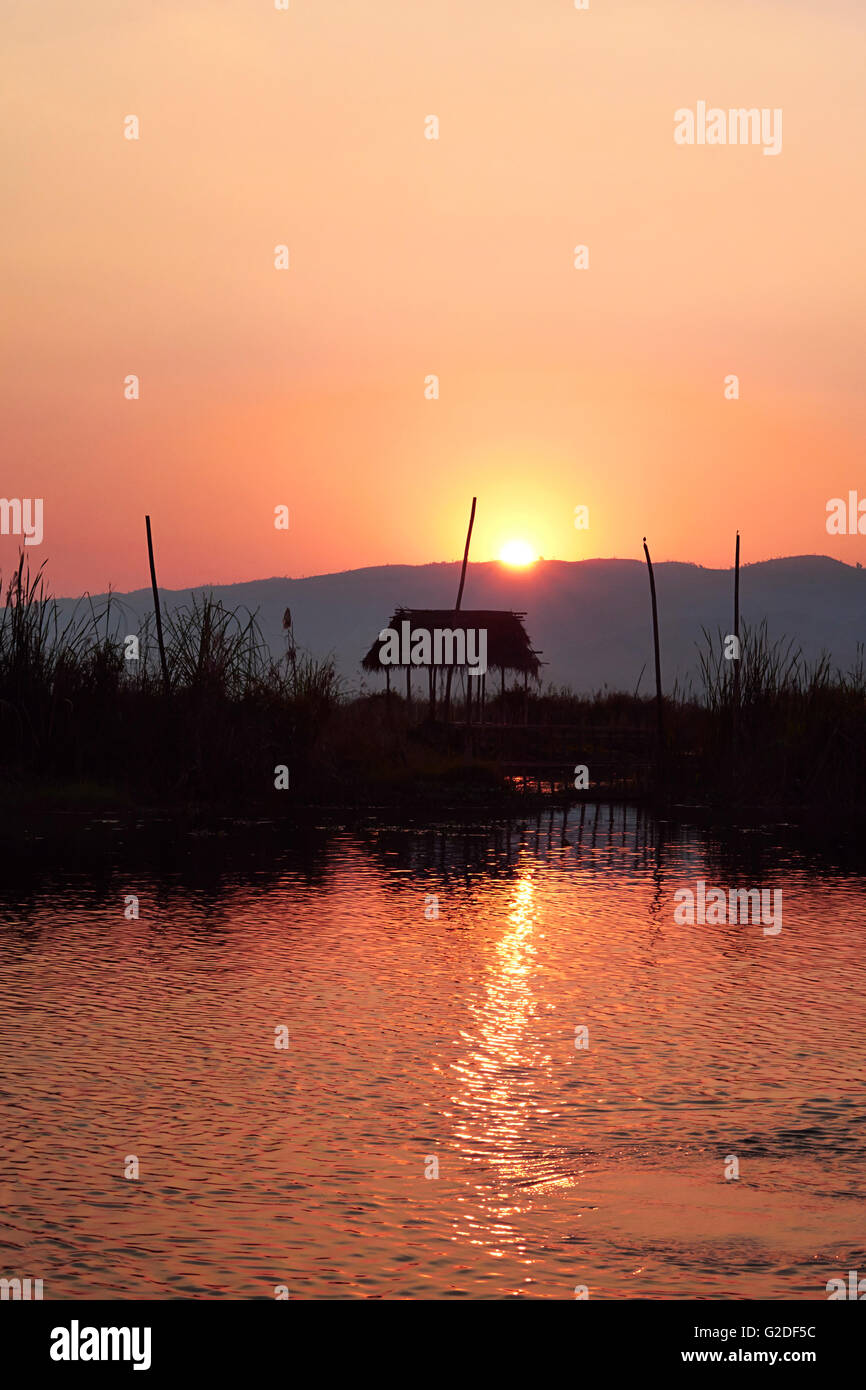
(508, 643)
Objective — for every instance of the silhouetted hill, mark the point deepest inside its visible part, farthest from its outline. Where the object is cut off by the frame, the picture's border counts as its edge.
(590, 618)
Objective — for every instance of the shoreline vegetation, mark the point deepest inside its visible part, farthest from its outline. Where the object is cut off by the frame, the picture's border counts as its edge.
(86, 730)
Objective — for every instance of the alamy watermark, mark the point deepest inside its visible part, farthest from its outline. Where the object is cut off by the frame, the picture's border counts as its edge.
(444, 646)
(77, 1343)
(736, 126)
(855, 1289)
(18, 1289)
(22, 516)
(846, 516)
(714, 907)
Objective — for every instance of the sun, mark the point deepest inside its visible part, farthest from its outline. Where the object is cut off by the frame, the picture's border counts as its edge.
(517, 554)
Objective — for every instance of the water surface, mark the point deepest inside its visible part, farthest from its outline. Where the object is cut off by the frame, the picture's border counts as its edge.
(417, 1041)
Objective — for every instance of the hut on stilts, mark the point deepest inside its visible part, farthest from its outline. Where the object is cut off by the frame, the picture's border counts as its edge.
(508, 650)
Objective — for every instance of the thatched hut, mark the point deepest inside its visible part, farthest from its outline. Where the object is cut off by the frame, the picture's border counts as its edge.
(508, 648)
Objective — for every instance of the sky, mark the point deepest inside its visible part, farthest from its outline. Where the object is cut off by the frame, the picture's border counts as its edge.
(412, 257)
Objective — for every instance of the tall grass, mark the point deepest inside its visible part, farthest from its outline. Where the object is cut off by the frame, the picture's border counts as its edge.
(72, 706)
(788, 731)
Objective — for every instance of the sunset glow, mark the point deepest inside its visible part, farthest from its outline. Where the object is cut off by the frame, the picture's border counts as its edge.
(311, 386)
(518, 554)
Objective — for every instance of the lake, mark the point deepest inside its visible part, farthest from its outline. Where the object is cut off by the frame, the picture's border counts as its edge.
(442, 1063)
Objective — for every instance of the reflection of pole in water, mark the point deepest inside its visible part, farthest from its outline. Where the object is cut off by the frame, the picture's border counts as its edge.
(578, 843)
(657, 872)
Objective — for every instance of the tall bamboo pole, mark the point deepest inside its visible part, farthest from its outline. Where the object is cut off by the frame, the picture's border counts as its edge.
(159, 639)
(447, 711)
(735, 713)
(659, 714)
(737, 620)
(465, 556)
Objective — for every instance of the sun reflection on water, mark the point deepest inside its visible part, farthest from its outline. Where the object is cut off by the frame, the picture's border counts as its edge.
(497, 1103)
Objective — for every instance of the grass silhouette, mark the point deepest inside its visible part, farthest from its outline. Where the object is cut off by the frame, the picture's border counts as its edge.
(82, 722)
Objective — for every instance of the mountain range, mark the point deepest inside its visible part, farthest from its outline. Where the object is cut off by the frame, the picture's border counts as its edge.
(589, 619)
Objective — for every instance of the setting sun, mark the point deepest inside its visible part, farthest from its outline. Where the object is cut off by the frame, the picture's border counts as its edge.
(517, 553)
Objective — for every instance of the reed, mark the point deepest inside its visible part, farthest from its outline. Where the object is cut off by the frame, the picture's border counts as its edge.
(73, 707)
(800, 726)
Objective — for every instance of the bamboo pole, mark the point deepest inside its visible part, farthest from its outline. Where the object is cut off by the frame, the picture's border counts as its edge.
(659, 714)
(159, 639)
(465, 556)
(447, 711)
(735, 712)
(737, 620)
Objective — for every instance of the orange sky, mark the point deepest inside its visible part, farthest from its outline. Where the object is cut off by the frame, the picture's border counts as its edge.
(408, 257)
